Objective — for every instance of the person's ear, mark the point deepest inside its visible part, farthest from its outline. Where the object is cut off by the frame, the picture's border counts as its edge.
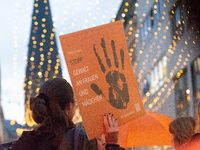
(68, 108)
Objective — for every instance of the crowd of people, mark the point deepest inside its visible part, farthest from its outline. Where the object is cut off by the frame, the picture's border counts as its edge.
(54, 108)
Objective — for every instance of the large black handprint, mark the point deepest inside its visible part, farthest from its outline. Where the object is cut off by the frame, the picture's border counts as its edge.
(118, 90)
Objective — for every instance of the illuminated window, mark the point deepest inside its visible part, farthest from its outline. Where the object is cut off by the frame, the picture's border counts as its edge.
(156, 78)
(151, 21)
(178, 20)
(181, 95)
(196, 81)
(146, 84)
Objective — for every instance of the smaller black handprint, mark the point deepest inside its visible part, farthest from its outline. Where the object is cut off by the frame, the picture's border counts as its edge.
(118, 90)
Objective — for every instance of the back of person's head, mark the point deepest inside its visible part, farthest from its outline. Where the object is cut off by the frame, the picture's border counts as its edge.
(182, 128)
(48, 109)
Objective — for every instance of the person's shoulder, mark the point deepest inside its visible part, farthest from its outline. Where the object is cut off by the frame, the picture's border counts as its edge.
(74, 131)
(81, 132)
(30, 140)
(32, 135)
(27, 133)
(193, 144)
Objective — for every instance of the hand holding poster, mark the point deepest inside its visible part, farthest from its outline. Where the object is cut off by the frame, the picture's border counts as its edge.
(102, 76)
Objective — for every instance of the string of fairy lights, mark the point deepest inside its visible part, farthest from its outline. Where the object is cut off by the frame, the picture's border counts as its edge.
(17, 48)
(168, 86)
(48, 57)
(162, 94)
(166, 89)
(86, 24)
(171, 51)
(92, 19)
(16, 35)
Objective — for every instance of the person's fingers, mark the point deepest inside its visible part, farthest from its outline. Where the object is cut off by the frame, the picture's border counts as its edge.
(111, 126)
(116, 125)
(105, 121)
(110, 122)
(113, 119)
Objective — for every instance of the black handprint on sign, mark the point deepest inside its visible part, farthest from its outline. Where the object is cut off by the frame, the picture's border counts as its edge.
(118, 90)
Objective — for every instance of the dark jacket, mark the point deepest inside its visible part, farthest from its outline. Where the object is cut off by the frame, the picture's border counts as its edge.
(31, 140)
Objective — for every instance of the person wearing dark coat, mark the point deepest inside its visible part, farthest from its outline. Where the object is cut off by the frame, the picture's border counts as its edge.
(53, 110)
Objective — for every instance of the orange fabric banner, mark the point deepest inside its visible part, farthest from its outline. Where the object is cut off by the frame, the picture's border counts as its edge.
(102, 76)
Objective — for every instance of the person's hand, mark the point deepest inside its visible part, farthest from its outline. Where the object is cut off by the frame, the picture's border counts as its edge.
(118, 95)
(111, 127)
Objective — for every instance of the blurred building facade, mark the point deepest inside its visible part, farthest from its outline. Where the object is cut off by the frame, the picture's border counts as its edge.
(163, 43)
(43, 60)
(1, 117)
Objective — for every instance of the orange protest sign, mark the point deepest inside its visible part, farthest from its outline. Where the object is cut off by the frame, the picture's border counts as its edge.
(102, 76)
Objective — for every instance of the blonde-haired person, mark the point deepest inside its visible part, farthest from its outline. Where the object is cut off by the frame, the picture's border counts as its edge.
(53, 109)
(182, 129)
